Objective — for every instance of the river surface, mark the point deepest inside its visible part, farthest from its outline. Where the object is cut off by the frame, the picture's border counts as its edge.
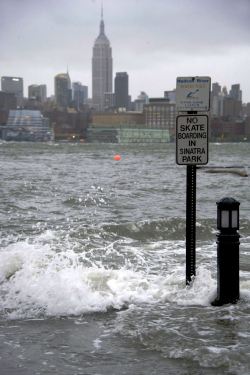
(92, 263)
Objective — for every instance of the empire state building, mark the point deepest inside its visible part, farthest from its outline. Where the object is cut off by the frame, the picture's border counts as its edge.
(102, 68)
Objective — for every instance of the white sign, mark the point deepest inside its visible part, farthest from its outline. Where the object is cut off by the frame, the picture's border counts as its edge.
(193, 94)
(192, 139)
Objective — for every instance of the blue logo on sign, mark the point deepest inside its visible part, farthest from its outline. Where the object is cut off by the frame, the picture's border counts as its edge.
(192, 93)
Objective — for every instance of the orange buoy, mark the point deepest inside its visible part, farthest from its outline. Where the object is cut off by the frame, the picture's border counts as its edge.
(117, 157)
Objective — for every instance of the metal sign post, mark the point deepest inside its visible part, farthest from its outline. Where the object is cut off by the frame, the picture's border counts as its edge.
(190, 223)
(192, 96)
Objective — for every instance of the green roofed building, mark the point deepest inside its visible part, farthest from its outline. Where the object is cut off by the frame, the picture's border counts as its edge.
(125, 128)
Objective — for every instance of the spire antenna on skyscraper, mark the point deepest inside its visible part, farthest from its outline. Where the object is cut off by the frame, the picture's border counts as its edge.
(102, 21)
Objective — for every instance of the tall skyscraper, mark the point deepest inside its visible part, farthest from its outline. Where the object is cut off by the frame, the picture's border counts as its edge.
(102, 69)
(13, 85)
(216, 89)
(236, 92)
(39, 92)
(121, 90)
(80, 94)
(216, 100)
(63, 93)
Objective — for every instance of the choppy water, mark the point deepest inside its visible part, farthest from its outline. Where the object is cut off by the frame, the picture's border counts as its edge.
(92, 263)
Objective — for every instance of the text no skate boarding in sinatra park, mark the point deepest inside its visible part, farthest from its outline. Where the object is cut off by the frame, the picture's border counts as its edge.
(192, 139)
(192, 100)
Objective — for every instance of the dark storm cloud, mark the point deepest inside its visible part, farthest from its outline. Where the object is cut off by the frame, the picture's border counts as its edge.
(40, 38)
(187, 26)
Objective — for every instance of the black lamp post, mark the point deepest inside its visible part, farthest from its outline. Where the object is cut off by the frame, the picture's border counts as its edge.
(227, 252)
(228, 215)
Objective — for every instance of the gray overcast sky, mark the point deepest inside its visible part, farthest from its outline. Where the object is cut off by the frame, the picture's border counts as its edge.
(154, 41)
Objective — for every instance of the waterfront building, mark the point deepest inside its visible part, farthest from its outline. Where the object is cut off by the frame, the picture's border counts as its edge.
(160, 114)
(102, 69)
(37, 92)
(121, 127)
(63, 93)
(7, 101)
(125, 128)
(228, 130)
(69, 124)
(13, 85)
(121, 90)
(26, 125)
(118, 120)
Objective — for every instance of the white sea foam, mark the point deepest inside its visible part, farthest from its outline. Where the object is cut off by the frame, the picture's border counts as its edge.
(37, 280)
(245, 289)
(97, 343)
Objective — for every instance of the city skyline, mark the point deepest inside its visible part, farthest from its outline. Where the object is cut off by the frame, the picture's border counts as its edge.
(157, 40)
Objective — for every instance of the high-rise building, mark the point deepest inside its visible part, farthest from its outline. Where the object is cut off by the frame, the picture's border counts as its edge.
(7, 101)
(170, 95)
(236, 92)
(216, 89)
(217, 105)
(80, 94)
(63, 94)
(141, 100)
(121, 90)
(13, 85)
(216, 100)
(37, 92)
(160, 114)
(102, 68)
(232, 108)
(224, 91)
(109, 101)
